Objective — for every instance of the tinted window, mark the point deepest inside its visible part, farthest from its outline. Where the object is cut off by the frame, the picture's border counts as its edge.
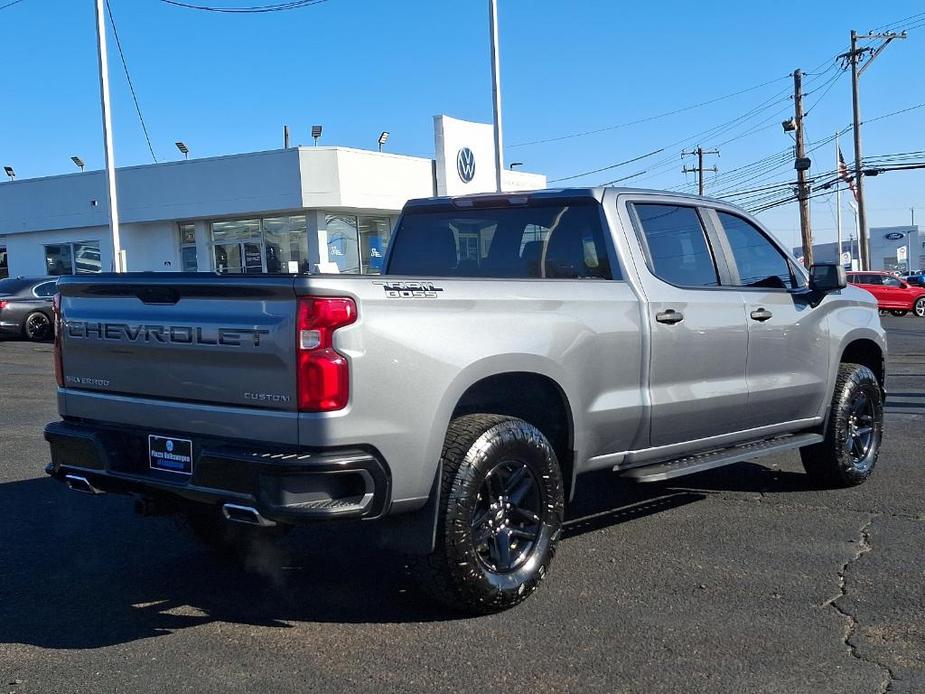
(677, 245)
(13, 286)
(759, 262)
(871, 279)
(46, 289)
(552, 241)
(891, 282)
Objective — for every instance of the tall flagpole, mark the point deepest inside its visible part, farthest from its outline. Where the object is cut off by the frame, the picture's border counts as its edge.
(117, 254)
(838, 199)
(496, 91)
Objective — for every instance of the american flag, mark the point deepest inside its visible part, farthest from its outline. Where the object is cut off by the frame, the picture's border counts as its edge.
(845, 174)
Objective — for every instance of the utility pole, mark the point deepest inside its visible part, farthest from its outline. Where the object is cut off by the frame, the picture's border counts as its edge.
(853, 57)
(699, 152)
(802, 165)
(118, 257)
(838, 200)
(496, 90)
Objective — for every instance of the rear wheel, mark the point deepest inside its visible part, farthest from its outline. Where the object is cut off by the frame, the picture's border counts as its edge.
(919, 307)
(898, 313)
(501, 508)
(36, 327)
(852, 440)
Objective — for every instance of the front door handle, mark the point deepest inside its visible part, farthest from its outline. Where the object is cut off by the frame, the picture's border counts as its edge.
(761, 314)
(669, 316)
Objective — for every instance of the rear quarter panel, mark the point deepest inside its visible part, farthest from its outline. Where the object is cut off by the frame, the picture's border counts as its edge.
(411, 359)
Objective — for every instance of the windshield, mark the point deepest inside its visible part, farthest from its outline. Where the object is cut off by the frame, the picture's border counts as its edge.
(557, 240)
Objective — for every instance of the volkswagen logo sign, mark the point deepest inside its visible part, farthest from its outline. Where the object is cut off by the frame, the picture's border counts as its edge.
(465, 164)
(892, 236)
(169, 446)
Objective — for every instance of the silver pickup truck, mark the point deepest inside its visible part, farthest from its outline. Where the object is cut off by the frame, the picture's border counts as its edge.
(512, 343)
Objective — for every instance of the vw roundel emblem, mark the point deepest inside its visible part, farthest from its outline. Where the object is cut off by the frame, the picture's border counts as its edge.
(169, 446)
(465, 164)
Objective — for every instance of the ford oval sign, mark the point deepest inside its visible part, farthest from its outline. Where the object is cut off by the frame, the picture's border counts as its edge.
(895, 236)
(465, 164)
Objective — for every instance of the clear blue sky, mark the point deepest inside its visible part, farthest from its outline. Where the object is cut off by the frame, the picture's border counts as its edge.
(227, 83)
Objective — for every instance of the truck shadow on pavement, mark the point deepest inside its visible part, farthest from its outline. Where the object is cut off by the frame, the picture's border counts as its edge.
(82, 572)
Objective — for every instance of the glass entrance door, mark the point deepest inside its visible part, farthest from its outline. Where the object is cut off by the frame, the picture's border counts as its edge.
(239, 257)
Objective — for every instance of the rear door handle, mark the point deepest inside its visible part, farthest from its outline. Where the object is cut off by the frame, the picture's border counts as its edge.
(761, 314)
(669, 316)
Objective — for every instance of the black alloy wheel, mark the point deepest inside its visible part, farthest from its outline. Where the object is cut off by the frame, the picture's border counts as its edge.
(37, 326)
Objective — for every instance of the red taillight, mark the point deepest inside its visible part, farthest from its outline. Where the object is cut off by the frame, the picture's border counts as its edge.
(323, 373)
(59, 364)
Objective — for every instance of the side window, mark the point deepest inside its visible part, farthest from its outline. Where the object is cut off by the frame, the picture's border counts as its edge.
(677, 245)
(45, 289)
(872, 279)
(759, 262)
(891, 282)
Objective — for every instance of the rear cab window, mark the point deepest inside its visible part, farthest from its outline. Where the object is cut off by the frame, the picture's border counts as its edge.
(539, 240)
(676, 244)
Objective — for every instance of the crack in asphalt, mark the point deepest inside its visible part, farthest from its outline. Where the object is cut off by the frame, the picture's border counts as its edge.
(851, 627)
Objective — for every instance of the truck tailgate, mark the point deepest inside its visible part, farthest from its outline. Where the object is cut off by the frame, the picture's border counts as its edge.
(188, 338)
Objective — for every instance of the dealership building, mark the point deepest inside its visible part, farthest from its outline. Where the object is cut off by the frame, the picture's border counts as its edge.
(301, 209)
(895, 249)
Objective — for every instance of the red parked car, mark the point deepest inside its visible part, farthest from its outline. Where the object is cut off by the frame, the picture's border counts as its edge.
(892, 294)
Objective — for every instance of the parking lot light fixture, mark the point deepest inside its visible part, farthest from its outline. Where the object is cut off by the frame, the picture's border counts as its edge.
(8, 170)
(184, 150)
(383, 137)
(79, 162)
(316, 133)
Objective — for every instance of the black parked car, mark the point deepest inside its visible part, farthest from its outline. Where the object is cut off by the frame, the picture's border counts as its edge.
(26, 308)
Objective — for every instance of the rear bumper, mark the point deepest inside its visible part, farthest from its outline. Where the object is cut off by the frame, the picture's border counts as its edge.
(283, 485)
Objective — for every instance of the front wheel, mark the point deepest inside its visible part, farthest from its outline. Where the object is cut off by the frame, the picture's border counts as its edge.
(501, 509)
(855, 427)
(919, 307)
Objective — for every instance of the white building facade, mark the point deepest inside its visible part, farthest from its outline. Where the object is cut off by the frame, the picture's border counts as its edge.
(302, 209)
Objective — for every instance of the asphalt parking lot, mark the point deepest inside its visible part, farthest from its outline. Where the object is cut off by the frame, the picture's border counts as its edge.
(744, 579)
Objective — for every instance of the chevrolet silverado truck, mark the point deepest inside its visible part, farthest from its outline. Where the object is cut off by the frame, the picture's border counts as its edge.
(512, 343)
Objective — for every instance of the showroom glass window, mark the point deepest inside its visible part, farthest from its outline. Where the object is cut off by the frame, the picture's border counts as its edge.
(188, 260)
(70, 258)
(237, 246)
(677, 245)
(4, 263)
(374, 239)
(343, 242)
(286, 244)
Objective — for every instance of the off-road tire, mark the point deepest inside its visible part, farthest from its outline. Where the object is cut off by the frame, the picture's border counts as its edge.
(455, 573)
(833, 462)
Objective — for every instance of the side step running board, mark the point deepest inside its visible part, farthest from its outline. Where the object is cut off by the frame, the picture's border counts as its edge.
(689, 465)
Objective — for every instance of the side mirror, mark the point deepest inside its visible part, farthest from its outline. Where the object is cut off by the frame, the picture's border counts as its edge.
(827, 277)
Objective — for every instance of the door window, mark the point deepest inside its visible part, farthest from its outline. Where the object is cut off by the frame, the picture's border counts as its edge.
(188, 260)
(677, 245)
(891, 282)
(4, 268)
(759, 262)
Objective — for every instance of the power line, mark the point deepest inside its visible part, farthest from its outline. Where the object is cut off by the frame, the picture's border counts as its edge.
(10, 4)
(253, 9)
(605, 168)
(128, 78)
(643, 120)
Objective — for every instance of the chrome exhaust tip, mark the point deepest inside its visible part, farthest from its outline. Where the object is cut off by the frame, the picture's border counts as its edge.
(80, 484)
(246, 514)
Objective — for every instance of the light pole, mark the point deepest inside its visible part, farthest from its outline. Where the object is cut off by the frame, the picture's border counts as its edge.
(118, 256)
(496, 90)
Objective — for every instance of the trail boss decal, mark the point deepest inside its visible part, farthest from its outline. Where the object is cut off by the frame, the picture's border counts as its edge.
(409, 290)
